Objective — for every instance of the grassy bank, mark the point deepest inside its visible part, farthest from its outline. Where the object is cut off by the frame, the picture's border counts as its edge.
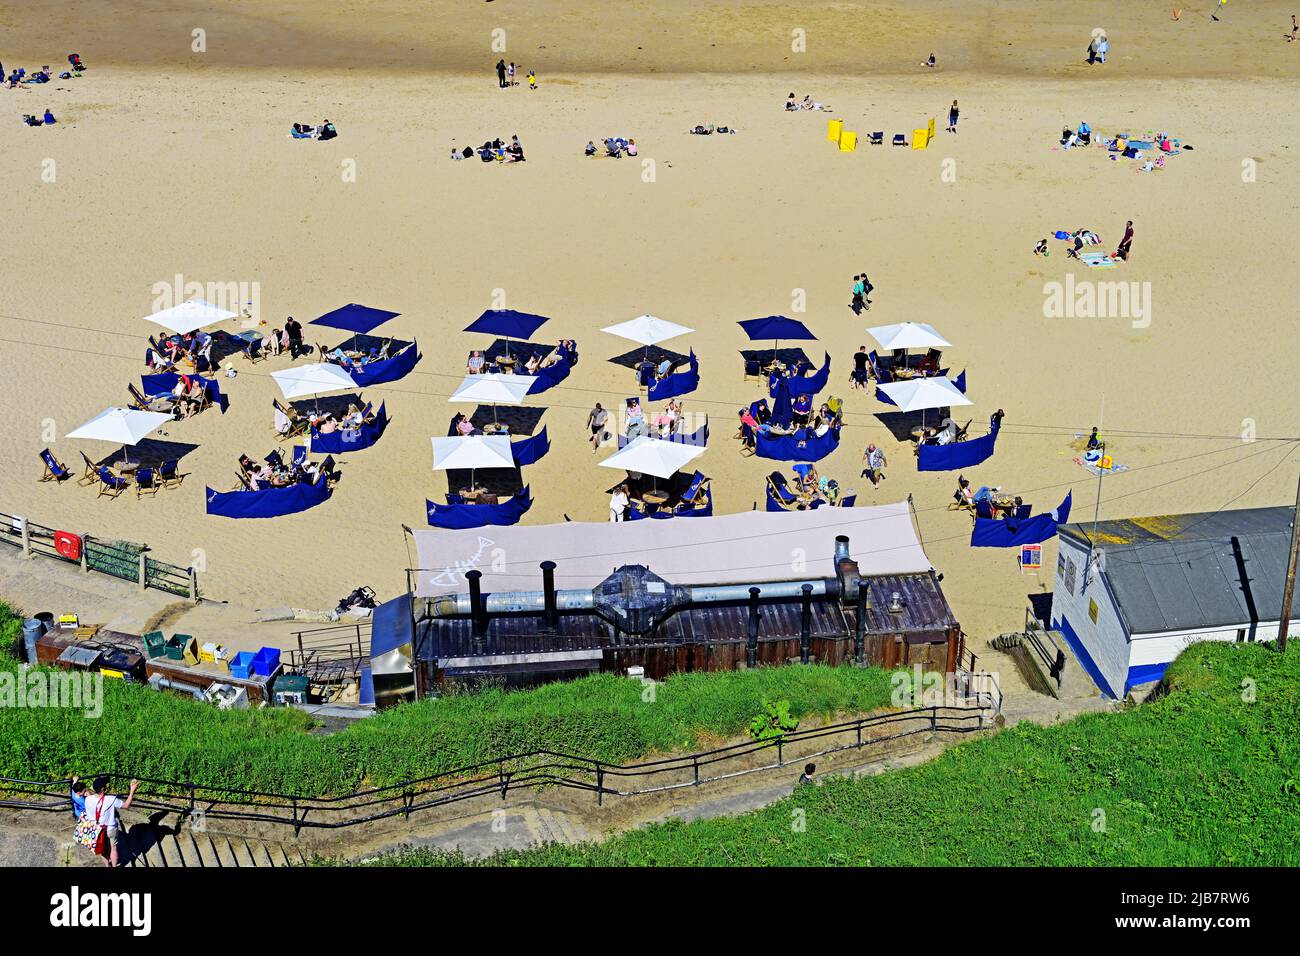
(150, 734)
(1204, 776)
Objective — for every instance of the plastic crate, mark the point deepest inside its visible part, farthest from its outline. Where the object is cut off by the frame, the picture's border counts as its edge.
(155, 644)
(211, 653)
(266, 661)
(241, 665)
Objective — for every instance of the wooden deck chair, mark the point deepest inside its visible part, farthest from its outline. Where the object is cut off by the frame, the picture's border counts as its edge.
(877, 138)
(253, 352)
(169, 475)
(110, 485)
(91, 474)
(900, 139)
(55, 470)
(753, 369)
(147, 482)
(780, 490)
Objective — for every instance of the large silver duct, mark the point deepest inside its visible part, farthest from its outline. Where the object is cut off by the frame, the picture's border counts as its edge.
(633, 598)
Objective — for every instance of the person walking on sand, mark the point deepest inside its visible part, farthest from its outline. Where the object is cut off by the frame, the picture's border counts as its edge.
(501, 74)
(532, 80)
(856, 304)
(596, 419)
(1295, 29)
(874, 462)
(867, 288)
(103, 808)
(511, 74)
(1126, 243)
(618, 504)
(952, 117)
(293, 329)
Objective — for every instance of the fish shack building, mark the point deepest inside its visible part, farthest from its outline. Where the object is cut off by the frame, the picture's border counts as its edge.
(526, 604)
(1130, 594)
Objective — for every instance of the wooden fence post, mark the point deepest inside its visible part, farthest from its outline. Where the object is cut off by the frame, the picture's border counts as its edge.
(27, 539)
(194, 587)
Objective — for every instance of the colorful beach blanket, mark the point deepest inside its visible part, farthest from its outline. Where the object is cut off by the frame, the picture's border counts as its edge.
(1093, 468)
(1099, 260)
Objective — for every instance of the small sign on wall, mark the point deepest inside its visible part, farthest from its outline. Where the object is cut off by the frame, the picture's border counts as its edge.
(1092, 610)
(1031, 557)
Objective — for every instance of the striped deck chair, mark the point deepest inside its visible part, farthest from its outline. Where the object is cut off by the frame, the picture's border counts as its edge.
(55, 470)
(110, 485)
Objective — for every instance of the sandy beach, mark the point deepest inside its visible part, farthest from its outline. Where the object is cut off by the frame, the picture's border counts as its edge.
(168, 162)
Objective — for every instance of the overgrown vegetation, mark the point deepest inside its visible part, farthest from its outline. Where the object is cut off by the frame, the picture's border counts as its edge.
(1203, 776)
(150, 734)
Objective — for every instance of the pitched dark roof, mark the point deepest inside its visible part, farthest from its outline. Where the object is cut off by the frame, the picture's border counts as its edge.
(1182, 572)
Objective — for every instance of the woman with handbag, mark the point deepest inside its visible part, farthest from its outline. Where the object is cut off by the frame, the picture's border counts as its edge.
(99, 828)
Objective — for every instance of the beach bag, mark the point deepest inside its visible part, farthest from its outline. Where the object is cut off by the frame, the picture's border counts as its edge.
(89, 833)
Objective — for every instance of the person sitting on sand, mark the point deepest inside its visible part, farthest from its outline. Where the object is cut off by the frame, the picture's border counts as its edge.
(1041, 249)
(49, 117)
(790, 103)
(327, 131)
(31, 120)
(631, 147)
(590, 149)
(930, 62)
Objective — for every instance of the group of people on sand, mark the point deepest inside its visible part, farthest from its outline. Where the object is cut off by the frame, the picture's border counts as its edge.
(492, 151)
(807, 103)
(325, 130)
(615, 146)
(862, 288)
(19, 76)
(47, 120)
(506, 76)
(1086, 237)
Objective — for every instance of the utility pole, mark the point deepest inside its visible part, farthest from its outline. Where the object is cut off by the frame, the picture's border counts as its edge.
(1288, 591)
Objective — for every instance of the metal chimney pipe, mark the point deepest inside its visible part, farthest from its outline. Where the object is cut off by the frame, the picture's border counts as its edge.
(477, 609)
(548, 587)
(805, 624)
(751, 641)
(841, 548)
(860, 631)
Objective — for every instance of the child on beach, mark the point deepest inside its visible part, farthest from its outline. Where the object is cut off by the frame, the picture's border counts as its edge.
(532, 80)
(1041, 249)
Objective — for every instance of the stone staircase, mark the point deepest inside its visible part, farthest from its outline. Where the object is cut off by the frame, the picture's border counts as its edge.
(188, 848)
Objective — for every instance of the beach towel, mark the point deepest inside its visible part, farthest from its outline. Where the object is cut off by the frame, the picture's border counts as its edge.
(1099, 260)
(1094, 468)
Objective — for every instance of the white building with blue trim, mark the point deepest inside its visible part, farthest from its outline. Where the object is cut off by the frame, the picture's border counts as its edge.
(1129, 595)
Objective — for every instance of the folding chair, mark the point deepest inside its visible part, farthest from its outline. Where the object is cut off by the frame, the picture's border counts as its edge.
(274, 460)
(900, 139)
(748, 440)
(299, 455)
(849, 500)
(110, 485)
(961, 432)
(983, 509)
(91, 474)
(780, 490)
(55, 470)
(168, 474)
(327, 470)
(877, 138)
(147, 482)
(253, 352)
(695, 488)
(753, 369)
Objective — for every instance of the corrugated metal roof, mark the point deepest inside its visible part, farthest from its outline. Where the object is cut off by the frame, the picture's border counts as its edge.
(1184, 572)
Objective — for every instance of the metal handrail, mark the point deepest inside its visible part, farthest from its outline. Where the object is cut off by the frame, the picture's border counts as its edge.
(501, 774)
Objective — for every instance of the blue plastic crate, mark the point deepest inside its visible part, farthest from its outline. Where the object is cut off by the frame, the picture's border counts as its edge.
(266, 661)
(241, 665)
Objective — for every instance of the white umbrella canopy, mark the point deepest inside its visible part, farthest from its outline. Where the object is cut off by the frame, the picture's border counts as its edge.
(653, 456)
(314, 379)
(189, 316)
(647, 330)
(472, 451)
(494, 389)
(918, 394)
(123, 426)
(908, 335)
